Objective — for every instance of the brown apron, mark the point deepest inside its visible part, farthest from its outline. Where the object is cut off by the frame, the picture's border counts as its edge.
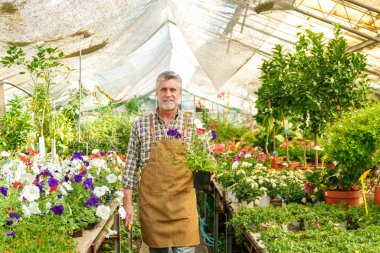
(167, 202)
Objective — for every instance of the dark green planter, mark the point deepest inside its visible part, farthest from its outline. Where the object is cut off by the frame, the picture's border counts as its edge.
(201, 179)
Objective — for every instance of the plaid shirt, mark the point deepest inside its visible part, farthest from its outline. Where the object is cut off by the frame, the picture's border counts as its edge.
(139, 143)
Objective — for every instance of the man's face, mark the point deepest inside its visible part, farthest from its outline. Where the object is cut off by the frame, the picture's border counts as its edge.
(168, 94)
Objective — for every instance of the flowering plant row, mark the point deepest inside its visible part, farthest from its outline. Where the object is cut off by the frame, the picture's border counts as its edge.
(247, 173)
(39, 194)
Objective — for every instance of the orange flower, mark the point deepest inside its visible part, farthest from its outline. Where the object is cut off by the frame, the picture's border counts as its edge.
(355, 187)
(217, 148)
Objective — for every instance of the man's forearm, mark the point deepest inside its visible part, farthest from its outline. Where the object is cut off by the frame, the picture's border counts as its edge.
(127, 196)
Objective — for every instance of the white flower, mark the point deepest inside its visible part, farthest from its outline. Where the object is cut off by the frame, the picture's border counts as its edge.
(31, 209)
(95, 151)
(245, 164)
(103, 212)
(119, 194)
(122, 212)
(247, 155)
(30, 192)
(111, 178)
(235, 165)
(63, 191)
(100, 191)
(198, 123)
(303, 200)
(259, 165)
(318, 148)
(5, 154)
(254, 185)
(76, 164)
(67, 186)
(111, 233)
(48, 205)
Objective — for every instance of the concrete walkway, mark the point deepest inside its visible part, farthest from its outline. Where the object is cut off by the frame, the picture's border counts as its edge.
(199, 249)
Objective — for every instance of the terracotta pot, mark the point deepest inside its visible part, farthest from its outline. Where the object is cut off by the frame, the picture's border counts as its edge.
(350, 198)
(376, 197)
(274, 163)
(293, 165)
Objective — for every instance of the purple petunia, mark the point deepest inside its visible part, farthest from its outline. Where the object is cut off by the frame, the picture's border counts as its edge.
(78, 178)
(4, 190)
(92, 201)
(174, 132)
(53, 182)
(9, 222)
(77, 155)
(88, 184)
(14, 216)
(10, 234)
(58, 210)
(213, 133)
(40, 185)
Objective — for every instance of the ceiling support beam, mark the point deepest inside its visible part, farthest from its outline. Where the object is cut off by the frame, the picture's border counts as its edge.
(370, 8)
(362, 45)
(364, 35)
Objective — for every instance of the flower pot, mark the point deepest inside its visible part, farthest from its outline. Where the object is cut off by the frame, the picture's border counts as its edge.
(293, 165)
(201, 179)
(350, 198)
(91, 226)
(376, 196)
(77, 233)
(264, 201)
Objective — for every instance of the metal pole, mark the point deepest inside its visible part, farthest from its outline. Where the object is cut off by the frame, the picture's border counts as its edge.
(2, 99)
(80, 99)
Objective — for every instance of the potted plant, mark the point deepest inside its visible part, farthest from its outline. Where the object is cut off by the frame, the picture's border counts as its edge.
(199, 157)
(46, 70)
(373, 182)
(353, 143)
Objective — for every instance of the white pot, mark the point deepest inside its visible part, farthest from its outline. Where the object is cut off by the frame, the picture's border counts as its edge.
(41, 144)
(264, 201)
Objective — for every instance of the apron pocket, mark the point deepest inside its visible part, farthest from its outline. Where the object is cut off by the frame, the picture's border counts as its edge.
(183, 204)
(157, 206)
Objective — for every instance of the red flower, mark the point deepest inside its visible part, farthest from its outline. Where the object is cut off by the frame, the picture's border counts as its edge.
(53, 189)
(201, 131)
(18, 185)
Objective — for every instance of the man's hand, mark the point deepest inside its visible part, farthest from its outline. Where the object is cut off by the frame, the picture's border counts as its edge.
(129, 216)
(128, 207)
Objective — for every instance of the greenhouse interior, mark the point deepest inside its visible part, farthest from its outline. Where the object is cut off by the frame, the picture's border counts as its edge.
(221, 126)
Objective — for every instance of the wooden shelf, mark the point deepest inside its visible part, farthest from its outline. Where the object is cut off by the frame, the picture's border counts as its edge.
(92, 240)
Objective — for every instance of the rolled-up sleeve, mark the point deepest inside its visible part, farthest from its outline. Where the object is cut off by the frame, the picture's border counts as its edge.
(133, 160)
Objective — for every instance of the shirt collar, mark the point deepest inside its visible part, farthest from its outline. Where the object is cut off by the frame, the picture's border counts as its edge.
(174, 118)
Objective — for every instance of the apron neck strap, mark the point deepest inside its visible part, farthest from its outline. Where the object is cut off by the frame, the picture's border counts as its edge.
(152, 128)
(185, 126)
